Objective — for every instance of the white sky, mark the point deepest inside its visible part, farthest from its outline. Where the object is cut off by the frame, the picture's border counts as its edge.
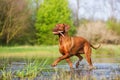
(96, 9)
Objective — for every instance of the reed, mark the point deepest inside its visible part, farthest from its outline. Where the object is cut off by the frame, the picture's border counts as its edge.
(38, 59)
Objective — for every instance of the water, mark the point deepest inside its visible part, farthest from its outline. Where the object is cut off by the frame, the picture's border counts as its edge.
(103, 71)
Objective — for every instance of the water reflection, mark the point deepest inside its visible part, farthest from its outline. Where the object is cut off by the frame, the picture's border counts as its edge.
(103, 71)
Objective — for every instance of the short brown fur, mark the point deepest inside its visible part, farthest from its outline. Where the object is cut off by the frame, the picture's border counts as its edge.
(69, 46)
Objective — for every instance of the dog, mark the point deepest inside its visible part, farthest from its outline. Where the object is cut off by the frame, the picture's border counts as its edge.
(72, 46)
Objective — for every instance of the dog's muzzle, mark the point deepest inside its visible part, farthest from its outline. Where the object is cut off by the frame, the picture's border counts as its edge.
(59, 32)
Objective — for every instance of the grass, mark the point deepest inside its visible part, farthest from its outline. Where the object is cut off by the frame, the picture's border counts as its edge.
(41, 51)
(37, 57)
(52, 51)
(30, 71)
(108, 50)
(31, 53)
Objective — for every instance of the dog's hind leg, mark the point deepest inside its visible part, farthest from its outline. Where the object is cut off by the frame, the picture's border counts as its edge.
(87, 51)
(80, 58)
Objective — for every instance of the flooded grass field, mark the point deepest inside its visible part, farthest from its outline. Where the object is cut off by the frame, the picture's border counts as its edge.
(38, 71)
(33, 63)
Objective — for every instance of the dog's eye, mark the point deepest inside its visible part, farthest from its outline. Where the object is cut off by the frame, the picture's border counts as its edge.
(60, 28)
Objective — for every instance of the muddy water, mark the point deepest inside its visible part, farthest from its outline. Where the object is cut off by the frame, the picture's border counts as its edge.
(103, 71)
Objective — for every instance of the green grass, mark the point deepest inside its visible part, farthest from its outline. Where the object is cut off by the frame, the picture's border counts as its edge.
(29, 51)
(30, 71)
(20, 49)
(51, 52)
(107, 51)
(37, 57)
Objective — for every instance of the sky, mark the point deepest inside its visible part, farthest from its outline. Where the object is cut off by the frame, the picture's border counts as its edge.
(96, 9)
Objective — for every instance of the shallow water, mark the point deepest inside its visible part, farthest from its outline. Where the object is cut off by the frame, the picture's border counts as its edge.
(103, 71)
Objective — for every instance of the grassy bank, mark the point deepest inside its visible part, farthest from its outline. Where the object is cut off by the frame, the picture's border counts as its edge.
(50, 51)
(29, 51)
(37, 57)
(107, 50)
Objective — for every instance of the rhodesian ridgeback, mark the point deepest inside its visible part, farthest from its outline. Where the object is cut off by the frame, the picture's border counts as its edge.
(70, 46)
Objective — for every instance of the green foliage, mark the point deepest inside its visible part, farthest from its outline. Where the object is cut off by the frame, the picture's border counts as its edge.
(114, 25)
(49, 14)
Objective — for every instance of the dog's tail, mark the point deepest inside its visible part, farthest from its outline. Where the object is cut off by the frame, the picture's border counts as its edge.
(95, 47)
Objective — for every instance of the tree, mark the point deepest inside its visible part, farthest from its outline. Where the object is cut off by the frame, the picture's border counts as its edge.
(49, 14)
(14, 19)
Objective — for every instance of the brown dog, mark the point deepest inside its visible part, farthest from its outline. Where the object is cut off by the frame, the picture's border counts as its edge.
(69, 46)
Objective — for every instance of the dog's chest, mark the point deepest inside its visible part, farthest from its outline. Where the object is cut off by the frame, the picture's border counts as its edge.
(64, 47)
(61, 49)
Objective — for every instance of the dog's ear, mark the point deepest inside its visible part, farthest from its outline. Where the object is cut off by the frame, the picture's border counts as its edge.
(67, 27)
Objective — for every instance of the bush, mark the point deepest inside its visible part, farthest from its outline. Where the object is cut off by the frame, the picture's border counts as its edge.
(114, 25)
(96, 32)
(49, 14)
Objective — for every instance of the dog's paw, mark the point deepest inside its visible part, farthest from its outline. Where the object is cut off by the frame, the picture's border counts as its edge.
(77, 64)
(92, 67)
(53, 65)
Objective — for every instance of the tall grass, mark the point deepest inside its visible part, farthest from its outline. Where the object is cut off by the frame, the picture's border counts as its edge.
(114, 25)
(29, 71)
(39, 58)
(33, 71)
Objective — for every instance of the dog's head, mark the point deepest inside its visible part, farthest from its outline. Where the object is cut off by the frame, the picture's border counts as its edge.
(61, 28)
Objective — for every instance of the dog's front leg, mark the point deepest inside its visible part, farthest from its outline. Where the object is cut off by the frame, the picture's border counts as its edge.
(59, 59)
(69, 62)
